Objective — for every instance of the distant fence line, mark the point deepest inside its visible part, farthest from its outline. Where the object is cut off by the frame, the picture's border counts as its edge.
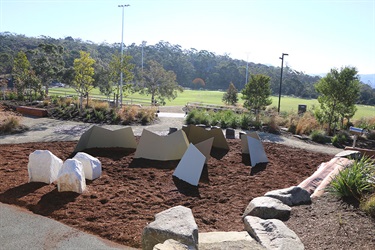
(200, 105)
(126, 101)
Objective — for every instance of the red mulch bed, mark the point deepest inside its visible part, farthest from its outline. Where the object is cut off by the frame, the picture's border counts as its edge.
(119, 205)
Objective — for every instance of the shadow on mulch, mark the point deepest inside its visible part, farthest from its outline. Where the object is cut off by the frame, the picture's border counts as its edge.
(186, 188)
(145, 163)
(52, 201)
(12, 195)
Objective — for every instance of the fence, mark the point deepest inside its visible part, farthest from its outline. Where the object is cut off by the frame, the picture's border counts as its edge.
(125, 101)
(199, 105)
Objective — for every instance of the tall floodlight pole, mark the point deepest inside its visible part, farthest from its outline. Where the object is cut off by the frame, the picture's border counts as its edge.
(247, 68)
(122, 48)
(281, 79)
(143, 44)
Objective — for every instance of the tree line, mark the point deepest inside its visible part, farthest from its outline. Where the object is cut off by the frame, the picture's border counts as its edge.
(192, 68)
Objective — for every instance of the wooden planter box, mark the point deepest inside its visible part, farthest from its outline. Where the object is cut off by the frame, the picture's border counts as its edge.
(32, 111)
(363, 151)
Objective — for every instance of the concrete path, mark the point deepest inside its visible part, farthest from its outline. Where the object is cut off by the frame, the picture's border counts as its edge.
(21, 229)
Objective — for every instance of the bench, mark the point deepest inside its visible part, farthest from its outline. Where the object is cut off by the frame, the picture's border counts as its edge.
(25, 110)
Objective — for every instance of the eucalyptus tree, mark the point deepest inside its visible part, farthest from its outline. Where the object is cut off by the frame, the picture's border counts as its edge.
(20, 72)
(48, 63)
(159, 83)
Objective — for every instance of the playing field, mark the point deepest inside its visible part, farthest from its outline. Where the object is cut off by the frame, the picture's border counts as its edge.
(214, 97)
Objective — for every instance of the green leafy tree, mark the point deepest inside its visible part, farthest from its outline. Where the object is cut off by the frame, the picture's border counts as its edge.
(34, 85)
(115, 69)
(5, 63)
(21, 71)
(256, 93)
(159, 83)
(338, 93)
(231, 96)
(83, 77)
(48, 63)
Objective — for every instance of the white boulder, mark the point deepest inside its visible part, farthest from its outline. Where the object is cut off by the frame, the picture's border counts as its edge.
(43, 166)
(71, 177)
(91, 165)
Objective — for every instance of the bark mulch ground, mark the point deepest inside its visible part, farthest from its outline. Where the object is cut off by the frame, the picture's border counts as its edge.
(119, 204)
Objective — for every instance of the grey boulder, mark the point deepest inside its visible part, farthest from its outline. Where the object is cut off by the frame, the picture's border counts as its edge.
(291, 196)
(176, 223)
(267, 208)
(273, 234)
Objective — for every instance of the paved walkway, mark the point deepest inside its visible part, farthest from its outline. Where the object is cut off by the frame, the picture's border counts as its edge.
(21, 229)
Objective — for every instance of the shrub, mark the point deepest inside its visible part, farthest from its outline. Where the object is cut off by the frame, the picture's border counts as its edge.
(191, 117)
(226, 119)
(318, 136)
(340, 138)
(245, 120)
(146, 116)
(370, 136)
(128, 114)
(9, 124)
(99, 115)
(54, 99)
(368, 205)
(292, 128)
(306, 124)
(272, 125)
(12, 95)
(367, 123)
(354, 181)
(100, 106)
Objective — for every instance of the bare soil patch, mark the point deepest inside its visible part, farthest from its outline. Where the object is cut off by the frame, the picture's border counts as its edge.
(119, 205)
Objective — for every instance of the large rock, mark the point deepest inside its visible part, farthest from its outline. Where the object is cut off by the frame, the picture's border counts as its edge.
(171, 245)
(291, 196)
(267, 208)
(91, 165)
(176, 223)
(228, 240)
(71, 177)
(273, 234)
(43, 166)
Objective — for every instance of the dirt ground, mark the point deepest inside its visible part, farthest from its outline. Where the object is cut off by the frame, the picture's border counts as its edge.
(119, 204)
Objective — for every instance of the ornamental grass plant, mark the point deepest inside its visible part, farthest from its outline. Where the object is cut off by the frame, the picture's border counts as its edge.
(355, 181)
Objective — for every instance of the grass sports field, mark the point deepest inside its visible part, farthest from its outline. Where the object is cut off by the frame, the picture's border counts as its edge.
(214, 97)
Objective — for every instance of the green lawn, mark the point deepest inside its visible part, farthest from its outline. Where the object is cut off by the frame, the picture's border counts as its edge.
(214, 97)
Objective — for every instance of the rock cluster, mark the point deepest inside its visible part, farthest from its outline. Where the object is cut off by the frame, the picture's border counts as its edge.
(175, 228)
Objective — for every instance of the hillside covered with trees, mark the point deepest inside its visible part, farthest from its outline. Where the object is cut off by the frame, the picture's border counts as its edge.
(193, 69)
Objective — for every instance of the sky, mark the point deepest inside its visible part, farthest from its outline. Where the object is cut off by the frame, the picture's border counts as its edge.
(317, 35)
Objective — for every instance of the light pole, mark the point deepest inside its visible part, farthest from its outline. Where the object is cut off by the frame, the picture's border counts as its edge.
(247, 68)
(143, 44)
(122, 48)
(281, 79)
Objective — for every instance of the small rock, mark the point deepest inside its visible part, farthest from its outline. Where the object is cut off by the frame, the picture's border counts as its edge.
(267, 208)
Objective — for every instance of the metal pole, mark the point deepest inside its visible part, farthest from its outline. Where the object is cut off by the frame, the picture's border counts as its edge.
(122, 49)
(281, 79)
(143, 44)
(247, 68)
